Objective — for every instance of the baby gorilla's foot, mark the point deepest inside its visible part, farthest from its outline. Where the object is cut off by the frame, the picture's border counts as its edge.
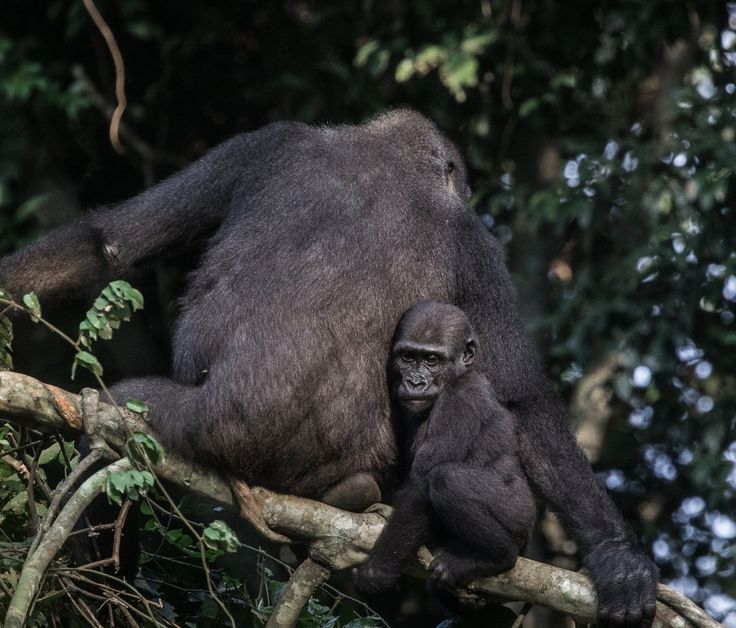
(453, 571)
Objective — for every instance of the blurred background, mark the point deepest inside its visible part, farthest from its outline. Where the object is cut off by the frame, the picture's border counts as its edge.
(600, 139)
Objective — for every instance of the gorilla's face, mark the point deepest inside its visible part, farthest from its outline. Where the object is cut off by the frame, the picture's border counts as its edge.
(428, 353)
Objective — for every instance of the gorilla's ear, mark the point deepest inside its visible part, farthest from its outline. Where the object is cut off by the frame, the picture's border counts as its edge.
(469, 352)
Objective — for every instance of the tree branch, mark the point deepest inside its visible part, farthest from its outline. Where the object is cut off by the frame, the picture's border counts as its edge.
(338, 539)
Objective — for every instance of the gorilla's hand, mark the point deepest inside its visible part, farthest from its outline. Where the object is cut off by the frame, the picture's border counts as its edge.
(625, 580)
(374, 577)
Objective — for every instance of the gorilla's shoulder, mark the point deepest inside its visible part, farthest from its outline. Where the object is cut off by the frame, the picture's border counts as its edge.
(401, 118)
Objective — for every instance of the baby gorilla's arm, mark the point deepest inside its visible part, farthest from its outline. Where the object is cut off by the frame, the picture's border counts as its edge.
(405, 532)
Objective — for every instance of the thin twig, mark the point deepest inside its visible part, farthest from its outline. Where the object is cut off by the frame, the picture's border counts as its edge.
(7, 452)
(132, 139)
(103, 562)
(33, 525)
(130, 590)
(84, 611)
(117, 58)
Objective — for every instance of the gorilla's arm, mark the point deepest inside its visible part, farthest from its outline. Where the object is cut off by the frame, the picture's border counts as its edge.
(624, 576)
(109, 242)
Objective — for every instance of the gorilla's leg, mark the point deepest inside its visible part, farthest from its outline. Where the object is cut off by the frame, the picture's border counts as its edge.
(488, 515)
(355, 493)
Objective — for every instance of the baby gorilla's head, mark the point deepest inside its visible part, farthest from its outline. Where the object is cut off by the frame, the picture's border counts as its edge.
(433, 345)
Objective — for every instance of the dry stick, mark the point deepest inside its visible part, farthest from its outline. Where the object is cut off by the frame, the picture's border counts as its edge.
(116, 593)
(30, 493)
(303, 583)
(117, 58)
(82, 610)
(126, 613)
(36, 563)
(33, 443)
(342, 538)
(119, 523)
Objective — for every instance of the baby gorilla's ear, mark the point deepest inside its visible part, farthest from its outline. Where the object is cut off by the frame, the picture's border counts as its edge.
(469, 352)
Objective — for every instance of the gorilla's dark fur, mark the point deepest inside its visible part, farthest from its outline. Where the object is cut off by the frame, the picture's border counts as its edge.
(319, 238)
(465, 484)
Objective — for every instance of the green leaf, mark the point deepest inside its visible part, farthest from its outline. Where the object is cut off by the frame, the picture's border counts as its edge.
(136, 299)
(97, 321)
(143, 449)
(88, 361)
(220, 536)
(137, 406)
(564, 80)
(49, 454)
(101, 304)
(131, 484)
(116, 303)
(365, 52)
(30, 300)
(146, 509)
(32, 206)
(528, 106)
(108, 293)
(17, 504)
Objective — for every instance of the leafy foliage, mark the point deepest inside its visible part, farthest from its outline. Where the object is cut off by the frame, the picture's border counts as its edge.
(132, 484)
(116, 303)
(220, 536)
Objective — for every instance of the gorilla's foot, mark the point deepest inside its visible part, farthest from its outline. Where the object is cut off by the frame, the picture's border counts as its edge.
(251, 509)
(354, 493)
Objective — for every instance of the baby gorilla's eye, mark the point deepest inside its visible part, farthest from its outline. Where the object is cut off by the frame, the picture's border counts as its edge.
(431, 359)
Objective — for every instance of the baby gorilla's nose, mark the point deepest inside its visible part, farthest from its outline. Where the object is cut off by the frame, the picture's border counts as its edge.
(416, 383)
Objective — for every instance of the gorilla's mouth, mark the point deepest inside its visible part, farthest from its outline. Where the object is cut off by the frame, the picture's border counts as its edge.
(417, 404)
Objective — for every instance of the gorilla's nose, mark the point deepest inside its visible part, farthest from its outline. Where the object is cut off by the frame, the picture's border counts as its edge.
(416, 383)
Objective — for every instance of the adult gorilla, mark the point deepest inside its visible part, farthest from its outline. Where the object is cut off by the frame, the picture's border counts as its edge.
(320, 237)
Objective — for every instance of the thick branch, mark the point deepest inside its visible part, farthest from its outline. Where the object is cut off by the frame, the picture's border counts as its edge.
(338, 539)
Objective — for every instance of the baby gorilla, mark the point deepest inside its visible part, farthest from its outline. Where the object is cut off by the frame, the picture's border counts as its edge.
(465, 482)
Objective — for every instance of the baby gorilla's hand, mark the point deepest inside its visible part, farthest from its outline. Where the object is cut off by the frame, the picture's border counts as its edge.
(373, 577)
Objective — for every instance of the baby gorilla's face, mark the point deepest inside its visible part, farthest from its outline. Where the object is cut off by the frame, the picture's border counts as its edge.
(423, 370)
(433, 345)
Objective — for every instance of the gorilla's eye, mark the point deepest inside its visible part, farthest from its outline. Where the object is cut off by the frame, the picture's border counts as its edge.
(405, 356)
(431, 359)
